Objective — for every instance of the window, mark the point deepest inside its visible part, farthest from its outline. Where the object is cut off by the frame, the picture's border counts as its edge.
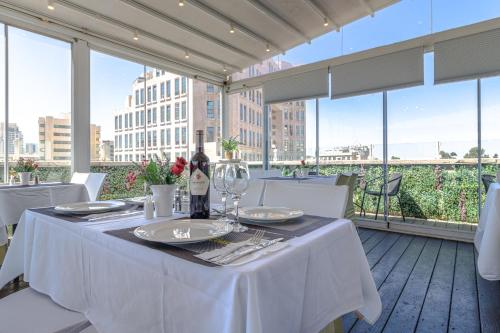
(176, 87)
(142, 118)
(162, 137)
(149, 94)
(210, 88)
(137, 101)
(168, 89)
(154, 115)
(241, 112)
(137, 142)
(168, 115)
(137, 118)
(184, 85)
(184, 111)
(210, 110)
(244, 113)
(142, 95)
(177, 136)
(210, 134)
(162, 114)
(184, 135)
(162, 90)
(176, 111)
(154, 93)
(154, 139)
(168, 136)
(149, 117)
(149, 139)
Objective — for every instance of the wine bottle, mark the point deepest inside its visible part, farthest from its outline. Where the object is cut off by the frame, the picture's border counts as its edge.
(199, 181)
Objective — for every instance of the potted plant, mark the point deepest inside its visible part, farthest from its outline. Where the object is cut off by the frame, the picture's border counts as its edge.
(24, 168)
(161, 176)
(230, 146)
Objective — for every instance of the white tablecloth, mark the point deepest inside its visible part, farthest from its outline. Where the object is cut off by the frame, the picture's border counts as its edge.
(124, 287)
(14, 200)
(487, 238)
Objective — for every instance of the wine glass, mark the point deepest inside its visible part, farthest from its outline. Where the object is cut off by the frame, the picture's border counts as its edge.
(236, 181)
(218, 178)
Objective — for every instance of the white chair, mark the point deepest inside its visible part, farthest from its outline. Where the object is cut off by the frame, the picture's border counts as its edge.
(313, 199)
(29, 311)
(254, 193)
(93, 183)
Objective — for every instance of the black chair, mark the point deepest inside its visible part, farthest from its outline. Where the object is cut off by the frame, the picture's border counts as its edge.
(393, 186)
(487, 181)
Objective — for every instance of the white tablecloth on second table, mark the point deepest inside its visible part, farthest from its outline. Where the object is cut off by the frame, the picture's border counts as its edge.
(125, 287)
(487, 238)
(16, 199)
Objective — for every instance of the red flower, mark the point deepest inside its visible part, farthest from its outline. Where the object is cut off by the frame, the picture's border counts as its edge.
(177, 169)
(303, 162)
(181, 161)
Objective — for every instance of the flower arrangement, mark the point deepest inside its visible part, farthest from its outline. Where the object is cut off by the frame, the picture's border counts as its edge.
(25, 165)
(156, 172)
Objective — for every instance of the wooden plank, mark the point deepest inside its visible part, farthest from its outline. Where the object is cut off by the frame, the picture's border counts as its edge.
(392, 286)
(489, 304)
(367, 233)
(378, 251)
(374, 240)
(436, 308)
(404, 317)
(381, 271)
(464, 312)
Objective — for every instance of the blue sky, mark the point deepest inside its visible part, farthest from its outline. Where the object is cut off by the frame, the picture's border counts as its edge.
(418, 117)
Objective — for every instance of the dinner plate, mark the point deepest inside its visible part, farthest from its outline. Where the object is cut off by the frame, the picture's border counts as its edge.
(90, 207)
(265, 214)
(182, 231)
(136, 200)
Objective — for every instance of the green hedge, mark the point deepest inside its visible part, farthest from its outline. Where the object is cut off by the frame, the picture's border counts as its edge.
(443, 192)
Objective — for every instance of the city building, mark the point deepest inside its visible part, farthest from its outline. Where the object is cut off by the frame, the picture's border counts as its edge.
(288, 131)
(15, 141)
(95, 142)
(31, 149)
(107, 151)
(55, 138)
(347, 153)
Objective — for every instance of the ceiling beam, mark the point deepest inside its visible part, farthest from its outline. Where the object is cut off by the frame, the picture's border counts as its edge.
(322, 13)
(143, 33)
(169, 19)
(237, 26)
(368, 7)
(278, 19)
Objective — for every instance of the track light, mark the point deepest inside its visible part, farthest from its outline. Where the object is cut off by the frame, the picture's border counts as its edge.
(325, 22)
(50, 5)
(231, 28)
(181, 3)
(224, 69)
(136, 35)
(186, 55)
(267, 48)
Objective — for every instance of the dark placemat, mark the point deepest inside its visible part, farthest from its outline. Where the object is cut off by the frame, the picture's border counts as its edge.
(285, 178)
(49, 211)
(188, 251)
(7, 187)
(295, 228)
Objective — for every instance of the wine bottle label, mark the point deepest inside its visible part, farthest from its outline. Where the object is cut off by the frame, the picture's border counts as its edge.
(199, 183)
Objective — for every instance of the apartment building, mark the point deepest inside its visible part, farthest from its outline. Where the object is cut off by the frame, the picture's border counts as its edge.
(15, 140)
(288, 131)
(55, 138)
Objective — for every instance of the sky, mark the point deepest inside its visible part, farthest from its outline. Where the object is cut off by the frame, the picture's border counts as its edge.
(418, 118)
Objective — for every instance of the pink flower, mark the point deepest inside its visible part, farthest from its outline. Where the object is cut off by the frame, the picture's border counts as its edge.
(181, 161)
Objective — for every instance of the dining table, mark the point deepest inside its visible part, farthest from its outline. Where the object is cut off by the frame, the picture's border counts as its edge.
(487, 237)
(15, 199)
(125, 284)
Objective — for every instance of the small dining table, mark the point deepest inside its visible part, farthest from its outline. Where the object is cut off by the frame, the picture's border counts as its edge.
(126, 285)
(487, 237)
(15, 199)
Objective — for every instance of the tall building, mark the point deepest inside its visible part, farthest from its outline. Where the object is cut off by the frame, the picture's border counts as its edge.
(15, 141)
(55, 138)
(164, 112)
(30, 149)
(95, 142)
(288, 131)
(107, 151)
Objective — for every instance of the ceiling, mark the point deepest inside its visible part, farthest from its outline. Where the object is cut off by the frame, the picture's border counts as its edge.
(219, 37)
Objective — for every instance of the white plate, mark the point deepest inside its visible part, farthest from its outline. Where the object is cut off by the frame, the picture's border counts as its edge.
(137, 200)
(90, 207)
(182, 231)
(265, 214)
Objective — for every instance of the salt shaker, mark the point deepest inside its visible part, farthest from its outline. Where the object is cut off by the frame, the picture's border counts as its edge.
(148, 208)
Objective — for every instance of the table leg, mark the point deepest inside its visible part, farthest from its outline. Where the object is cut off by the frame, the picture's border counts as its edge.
(335, 326)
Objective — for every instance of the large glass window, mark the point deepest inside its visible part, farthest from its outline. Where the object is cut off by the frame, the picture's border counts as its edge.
(40, 126)
(3, 136)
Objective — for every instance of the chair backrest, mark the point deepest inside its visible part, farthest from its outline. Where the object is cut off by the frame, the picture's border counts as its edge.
(394, 183)
(30, 311)
(93, 183)
(313, 199)
(342, 179)
(254, 193)
(487, 181)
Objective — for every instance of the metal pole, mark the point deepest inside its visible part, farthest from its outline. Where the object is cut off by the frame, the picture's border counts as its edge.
(145, 114)
(6, 111)
(385, 157)
(317, 136)
(265, 146)
(479, 166)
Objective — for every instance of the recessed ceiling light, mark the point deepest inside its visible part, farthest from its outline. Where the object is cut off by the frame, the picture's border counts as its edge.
(325, 22)
(267, 48)
(50, 5)
(231, 28)
(186, 55)
(181, 3)
(224, 69)
(136, 36)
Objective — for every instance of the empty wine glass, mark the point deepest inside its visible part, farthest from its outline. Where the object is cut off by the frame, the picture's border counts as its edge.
(218, 178)
(236, 182)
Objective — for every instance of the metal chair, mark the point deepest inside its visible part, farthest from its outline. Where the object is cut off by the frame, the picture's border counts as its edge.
(393, 186)
(487, 181)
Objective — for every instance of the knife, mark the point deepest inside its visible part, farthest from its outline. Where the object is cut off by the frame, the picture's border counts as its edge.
(235, 256)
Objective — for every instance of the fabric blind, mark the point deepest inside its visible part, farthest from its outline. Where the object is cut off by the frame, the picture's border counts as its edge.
(306, 85)
(390, 71)
(468, 57)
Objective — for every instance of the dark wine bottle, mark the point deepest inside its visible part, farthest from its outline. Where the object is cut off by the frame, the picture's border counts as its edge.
(199, 181)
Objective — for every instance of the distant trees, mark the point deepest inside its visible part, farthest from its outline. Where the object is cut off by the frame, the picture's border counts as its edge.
(474, 153)
(395, 158)
(444, 155)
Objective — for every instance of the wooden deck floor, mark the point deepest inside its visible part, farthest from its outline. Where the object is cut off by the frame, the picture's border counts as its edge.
(427, 285)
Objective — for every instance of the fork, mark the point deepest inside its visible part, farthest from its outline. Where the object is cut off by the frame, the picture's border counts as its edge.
(254, 240)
